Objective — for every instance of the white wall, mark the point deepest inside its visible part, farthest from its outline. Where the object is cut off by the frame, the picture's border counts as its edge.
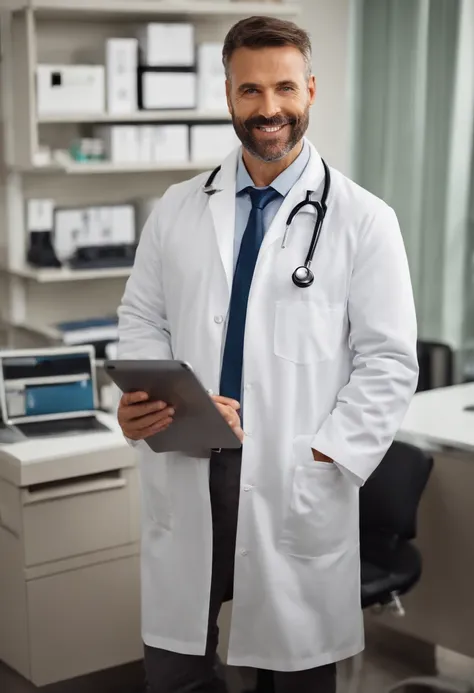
(329, 25)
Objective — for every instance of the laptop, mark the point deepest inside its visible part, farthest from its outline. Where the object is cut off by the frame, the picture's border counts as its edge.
(49, 391)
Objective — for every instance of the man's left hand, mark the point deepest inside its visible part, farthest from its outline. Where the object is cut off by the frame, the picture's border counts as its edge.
(229, 408)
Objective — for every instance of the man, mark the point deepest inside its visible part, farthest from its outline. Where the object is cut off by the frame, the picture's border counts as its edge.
(322, 375)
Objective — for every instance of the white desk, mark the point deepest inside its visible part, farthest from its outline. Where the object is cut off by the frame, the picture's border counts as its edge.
(69, 547)
(438, 418)
(440, 610)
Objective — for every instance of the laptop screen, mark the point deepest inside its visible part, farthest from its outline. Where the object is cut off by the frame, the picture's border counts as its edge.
(47, 385)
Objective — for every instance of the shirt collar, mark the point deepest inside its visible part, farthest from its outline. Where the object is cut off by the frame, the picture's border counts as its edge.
(284, 182)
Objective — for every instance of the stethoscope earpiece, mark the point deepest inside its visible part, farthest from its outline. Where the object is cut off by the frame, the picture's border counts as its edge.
(303, 277)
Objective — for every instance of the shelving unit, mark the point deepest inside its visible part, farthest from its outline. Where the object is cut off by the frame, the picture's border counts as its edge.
(64, 274)
(67, 32)
(139, 117)
(106, 167)
(153, 8)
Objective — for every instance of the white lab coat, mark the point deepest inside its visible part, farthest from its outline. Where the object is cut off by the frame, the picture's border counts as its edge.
(331, 367)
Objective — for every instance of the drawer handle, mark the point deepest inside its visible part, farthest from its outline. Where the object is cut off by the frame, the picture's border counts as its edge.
(72, 489)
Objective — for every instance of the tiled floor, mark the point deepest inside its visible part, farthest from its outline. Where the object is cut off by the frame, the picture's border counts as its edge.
(379, 673)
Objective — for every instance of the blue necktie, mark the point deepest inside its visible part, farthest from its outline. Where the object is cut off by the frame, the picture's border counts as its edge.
(231, 373)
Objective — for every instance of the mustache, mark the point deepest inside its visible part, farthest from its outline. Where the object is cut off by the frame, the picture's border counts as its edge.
(274, 122)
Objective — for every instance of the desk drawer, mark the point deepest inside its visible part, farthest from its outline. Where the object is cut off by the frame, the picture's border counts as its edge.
(84, 620)
(78, 516)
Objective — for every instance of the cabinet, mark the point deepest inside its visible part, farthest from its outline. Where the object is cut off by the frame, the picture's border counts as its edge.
(70, 566)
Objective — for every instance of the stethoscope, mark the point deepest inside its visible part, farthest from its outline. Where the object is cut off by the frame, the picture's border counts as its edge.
(303, 276)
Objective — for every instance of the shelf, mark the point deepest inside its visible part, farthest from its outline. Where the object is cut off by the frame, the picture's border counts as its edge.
(154, 8)
(46, 331)
(41, 330)
(139, 117)
(107, 167)
(53, 275)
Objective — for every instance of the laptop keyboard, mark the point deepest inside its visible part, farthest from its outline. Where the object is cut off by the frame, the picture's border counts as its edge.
(86, 424)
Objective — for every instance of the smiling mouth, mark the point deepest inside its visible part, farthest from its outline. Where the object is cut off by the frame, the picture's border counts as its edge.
(265, 128)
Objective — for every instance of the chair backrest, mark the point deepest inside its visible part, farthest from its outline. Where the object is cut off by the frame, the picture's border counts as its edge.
(436, 362)
(389, 500)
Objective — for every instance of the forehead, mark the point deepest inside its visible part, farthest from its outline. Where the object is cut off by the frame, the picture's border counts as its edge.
(263, 65)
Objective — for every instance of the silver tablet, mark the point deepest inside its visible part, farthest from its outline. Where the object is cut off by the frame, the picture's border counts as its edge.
(198, 425)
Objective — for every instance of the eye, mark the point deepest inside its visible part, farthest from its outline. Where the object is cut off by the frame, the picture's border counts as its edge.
(250, 91)
(286, 88)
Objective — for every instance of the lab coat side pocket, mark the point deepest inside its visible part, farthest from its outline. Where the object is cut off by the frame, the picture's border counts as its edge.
(323, 516)
(155, 497)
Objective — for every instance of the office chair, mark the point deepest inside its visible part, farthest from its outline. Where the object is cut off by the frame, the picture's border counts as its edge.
(436, 362)
(390, 564)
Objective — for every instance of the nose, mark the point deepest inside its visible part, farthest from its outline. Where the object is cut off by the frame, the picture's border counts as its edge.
(269, 106)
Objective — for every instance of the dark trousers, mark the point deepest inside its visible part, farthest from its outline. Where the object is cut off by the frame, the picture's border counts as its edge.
(168, 672)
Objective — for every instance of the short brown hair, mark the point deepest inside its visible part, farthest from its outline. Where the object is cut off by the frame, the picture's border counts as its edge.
(263, 32)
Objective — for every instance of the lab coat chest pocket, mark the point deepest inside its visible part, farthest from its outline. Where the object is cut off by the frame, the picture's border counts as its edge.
(307, 331)
(322, 515)
(156, 508)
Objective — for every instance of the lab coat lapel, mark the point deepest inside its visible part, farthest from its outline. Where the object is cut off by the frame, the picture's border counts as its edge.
(222, 206)
(311, 179)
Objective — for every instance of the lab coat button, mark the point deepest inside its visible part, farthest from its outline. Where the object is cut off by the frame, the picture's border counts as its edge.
(243, 552)
(247, 489)
(248, 386)
(218, 319)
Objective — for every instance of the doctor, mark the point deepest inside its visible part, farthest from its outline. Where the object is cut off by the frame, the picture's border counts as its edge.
(323, 377)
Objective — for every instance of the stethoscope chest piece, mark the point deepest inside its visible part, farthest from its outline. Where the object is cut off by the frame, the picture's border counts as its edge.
(303, 277)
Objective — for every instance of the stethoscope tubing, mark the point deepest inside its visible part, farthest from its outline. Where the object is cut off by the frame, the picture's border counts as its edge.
(303, 276)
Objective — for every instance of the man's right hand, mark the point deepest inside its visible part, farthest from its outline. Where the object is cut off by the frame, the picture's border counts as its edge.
(140, 418)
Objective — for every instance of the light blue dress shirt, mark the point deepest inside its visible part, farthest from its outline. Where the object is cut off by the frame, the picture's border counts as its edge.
(282, 184)
(243, 205)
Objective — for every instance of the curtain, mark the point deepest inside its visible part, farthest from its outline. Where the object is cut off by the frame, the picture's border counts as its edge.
(414, 142)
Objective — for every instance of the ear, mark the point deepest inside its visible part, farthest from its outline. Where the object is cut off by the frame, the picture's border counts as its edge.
(227, 93)
(312, 89)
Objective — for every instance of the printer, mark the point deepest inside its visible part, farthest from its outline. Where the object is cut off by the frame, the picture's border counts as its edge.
(69, 522)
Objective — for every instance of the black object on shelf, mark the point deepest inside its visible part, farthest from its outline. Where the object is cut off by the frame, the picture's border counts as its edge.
(41, 252)
(103, 256)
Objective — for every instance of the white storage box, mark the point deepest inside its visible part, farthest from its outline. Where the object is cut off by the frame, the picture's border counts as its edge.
(168, 90)
(171, 144)
(211, 141)
(167, 44)
(70, 89)
(40, 215)
(146, 144)
(112, 225)
(121, 143)
(88, 226)
(121, 66)
(211, 78)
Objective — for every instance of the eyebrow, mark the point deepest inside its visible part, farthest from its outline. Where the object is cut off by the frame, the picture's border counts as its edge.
(252, 85)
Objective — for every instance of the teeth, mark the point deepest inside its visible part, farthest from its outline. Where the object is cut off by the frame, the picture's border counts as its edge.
(271, 129)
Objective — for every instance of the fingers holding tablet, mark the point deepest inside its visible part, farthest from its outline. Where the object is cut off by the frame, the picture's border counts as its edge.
(139, 417)
(154, 388)
(229, 410)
